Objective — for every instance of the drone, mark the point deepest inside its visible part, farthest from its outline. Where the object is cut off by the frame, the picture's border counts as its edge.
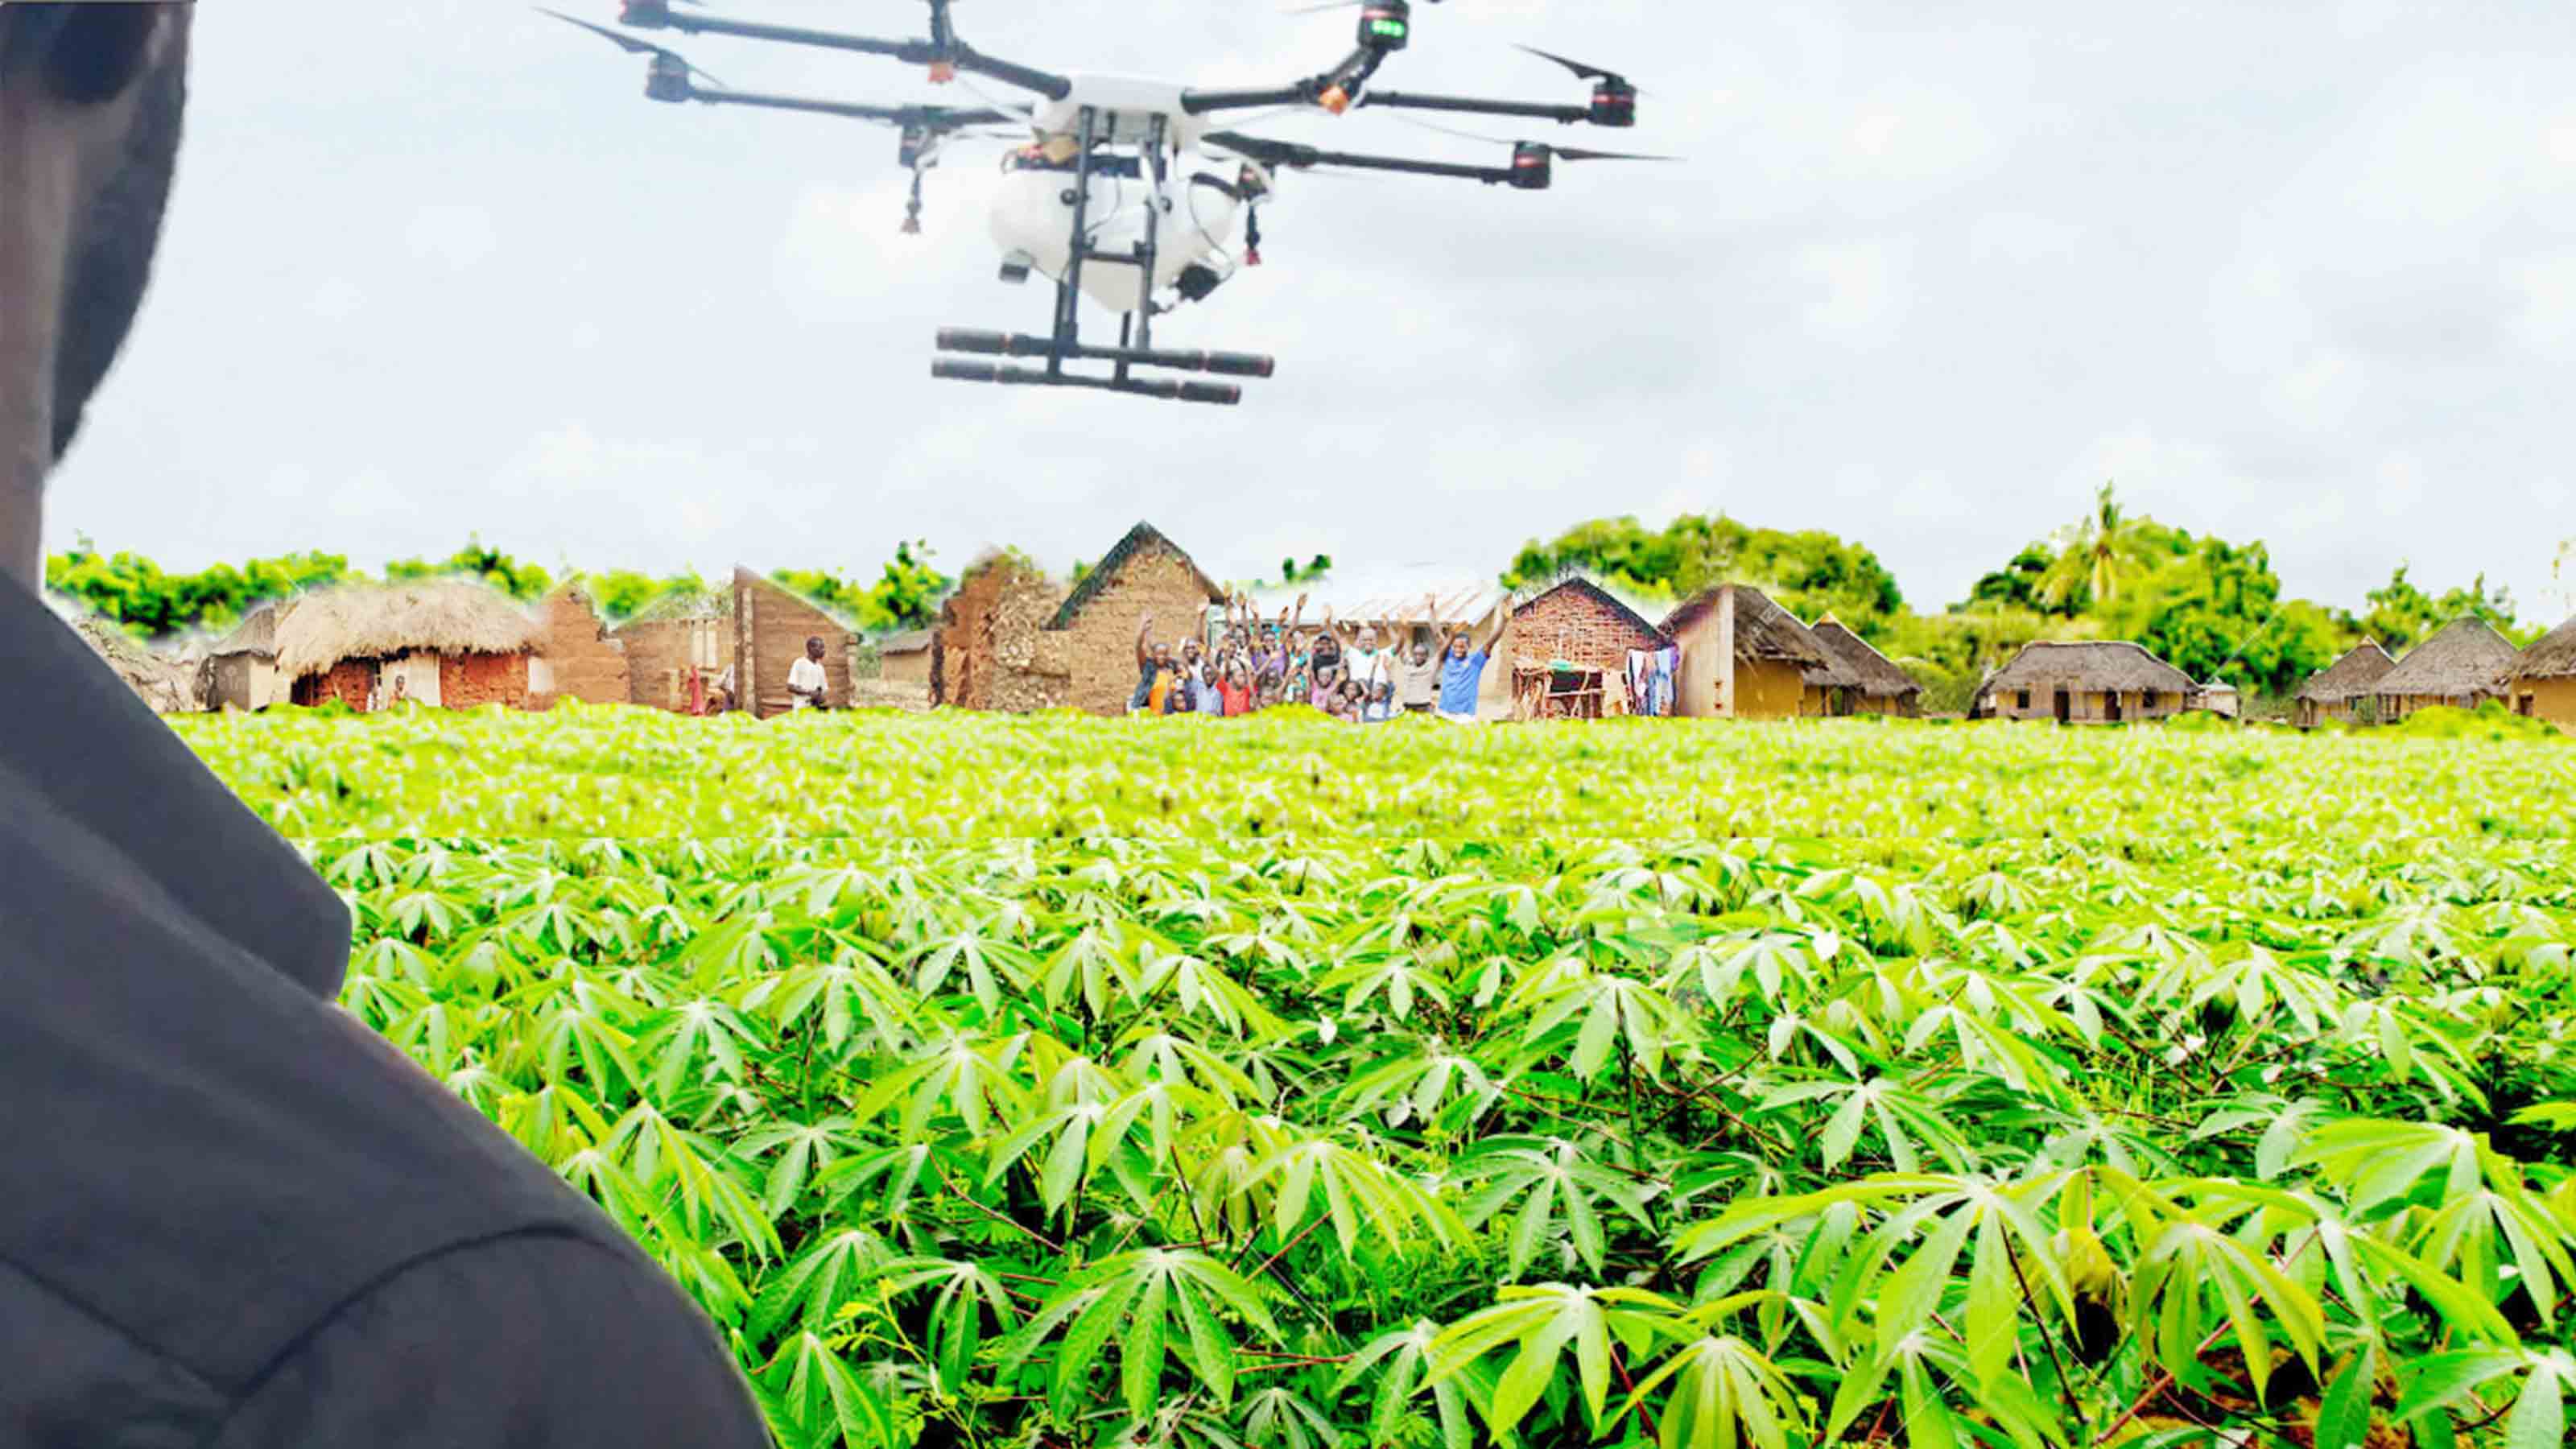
(1122, 189)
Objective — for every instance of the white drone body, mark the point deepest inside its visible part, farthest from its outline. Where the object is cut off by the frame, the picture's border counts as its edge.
(1123, 194)
(1195, 207)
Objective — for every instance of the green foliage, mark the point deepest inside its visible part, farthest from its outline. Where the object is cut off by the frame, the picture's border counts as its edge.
(1810, 573)
(525, 582)
(2401, 613)
(153, 604)
(1055, 1081)
(623, 593)
(906, 594)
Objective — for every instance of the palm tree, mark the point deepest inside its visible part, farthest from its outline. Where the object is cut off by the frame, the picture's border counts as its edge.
(2095, 554)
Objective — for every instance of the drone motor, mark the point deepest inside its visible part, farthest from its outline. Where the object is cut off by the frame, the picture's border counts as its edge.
(1614, 103)
(1386, 25)
(1533, 166)
(668, 79)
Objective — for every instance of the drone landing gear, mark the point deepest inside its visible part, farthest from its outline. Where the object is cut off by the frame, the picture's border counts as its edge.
(1135, 347)
(1009, 344)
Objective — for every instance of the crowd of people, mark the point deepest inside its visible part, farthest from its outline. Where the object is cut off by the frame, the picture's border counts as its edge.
(1358, 671)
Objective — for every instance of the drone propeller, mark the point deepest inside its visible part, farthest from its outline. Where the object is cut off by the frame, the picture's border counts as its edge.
(629, 43)
(1586, 72)
(1561, 153)
(1573, 153)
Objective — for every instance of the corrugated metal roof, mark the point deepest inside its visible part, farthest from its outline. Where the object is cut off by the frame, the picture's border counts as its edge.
(1392, 592)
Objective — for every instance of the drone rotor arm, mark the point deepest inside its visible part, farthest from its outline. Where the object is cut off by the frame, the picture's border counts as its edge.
(1300, 157)
(1475, 105)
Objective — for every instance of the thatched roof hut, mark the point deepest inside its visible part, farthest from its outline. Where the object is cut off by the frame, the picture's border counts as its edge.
(166, 685)
(2551, 656)
(2084, 681)
(2092, 664)
(2356, 674)
(1872, 673)
(311, 632)
(1763, 630)
(2467, 660)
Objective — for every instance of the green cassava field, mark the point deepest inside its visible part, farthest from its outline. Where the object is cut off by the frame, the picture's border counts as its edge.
(1282, 1085)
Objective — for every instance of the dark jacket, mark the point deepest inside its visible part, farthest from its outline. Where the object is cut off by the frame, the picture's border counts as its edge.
(230, 1216)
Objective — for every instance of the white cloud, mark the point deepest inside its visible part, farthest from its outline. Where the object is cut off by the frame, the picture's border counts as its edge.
(1929, 495)
(455, 236)
(2547, 323)
(2022, 238)
(2319, 393)
(2401, 487)
(1857, 287)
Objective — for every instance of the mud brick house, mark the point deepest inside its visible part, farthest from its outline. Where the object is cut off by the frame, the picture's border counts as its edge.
(984, 652)
(2542, 683)
(675, 642)
(1878, 684)
(1743, 656)
(448, 643)
(2083, 681)
(1567, 652)
(770, 627)
(2342, 690)
(2463, 666)
(576, 658)
(905, 658)
(1090, 643)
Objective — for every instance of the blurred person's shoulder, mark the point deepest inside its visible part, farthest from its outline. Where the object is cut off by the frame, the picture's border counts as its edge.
(229, 1213)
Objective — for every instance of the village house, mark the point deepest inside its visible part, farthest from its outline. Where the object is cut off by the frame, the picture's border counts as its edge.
(1743, 656)
(576, 657)
(2542, 684)
(1090, 643)
(2463, 666)
(1878, 684)
(1566, 652)
(770, 627)
(2083, 681)
(677, 648)
(168, 686)
(2344, 691)
(446, 642)
(983, 652)
(904, 658)
(2217, 697)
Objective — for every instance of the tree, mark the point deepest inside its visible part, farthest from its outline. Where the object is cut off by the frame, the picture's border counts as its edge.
(522, 581)
(2217, 613)
(2401, 613)
(2016, 584)
(1810, 572)
(906, 595)
(151, 603)
(623, 593)
(2098, 553)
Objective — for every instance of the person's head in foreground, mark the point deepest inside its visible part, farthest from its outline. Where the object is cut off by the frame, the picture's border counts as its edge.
(266, 1226)
(814, 650)
(1459, 647)
(90, 98)
(1162, 656)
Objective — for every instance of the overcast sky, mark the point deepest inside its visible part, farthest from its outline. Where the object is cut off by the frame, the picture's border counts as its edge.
(2302, 272)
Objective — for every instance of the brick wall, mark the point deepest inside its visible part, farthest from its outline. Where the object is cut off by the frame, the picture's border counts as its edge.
(587, 664)
(771, 626)
(1099, 658)
(350, 681)
(661, 652)
(468, 680)
(1573, 624)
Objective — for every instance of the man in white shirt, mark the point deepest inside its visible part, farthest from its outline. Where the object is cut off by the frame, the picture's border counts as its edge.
(806, 681)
